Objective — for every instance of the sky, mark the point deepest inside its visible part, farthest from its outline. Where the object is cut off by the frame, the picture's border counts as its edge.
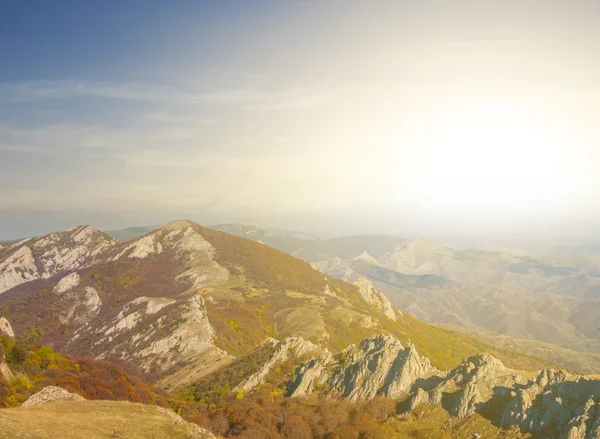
(338, 116)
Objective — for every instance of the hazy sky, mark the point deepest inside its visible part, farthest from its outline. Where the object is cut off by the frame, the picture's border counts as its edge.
(334, 115)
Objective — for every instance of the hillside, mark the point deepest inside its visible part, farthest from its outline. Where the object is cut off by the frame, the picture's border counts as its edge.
(183, 301)
(242, 338)
(95, 420)
(552, 298)
(562, 320)
(568, 358)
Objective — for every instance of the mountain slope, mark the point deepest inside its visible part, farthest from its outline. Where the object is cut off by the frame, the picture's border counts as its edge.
(95, 420)
(45, 257)
(551, 318)
(184, 300)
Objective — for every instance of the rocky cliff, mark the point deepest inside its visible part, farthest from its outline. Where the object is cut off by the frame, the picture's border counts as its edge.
(553, 405)
(377, 366)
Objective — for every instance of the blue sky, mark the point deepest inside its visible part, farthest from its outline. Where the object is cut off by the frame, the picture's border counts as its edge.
(349, 116)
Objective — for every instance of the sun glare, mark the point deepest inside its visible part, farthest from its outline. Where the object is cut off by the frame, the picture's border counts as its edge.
(491, 157)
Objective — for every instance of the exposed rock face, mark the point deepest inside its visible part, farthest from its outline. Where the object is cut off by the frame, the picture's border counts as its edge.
(76, 304)
(51, 394)
(5, 371)
(189, 247)
(153, 333)
(466, 389)
(52, 254)
(555, 405)
(375, 298)
(377, 366)
(5, 328)
(290, 348)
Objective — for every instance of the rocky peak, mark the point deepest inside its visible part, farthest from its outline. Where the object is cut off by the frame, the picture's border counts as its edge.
(52, 254)
(379, 365)
(335, 267)
(417, 256)
(375, 298)
(189, 247)
(51, 394)
(478, 368)
(367, 258)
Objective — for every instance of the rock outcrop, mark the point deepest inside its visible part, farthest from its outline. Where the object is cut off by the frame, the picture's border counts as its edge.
(6, 329)
(51, 394)
(292, 348)
(5, 371)
(467, 388)
(76, 304)
(154, 333)
(375, 298)
(379, 365)
(554, 405)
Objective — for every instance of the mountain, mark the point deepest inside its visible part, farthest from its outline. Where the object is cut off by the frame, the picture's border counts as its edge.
(183, 301)
(253, 342)
(518, 296)
(586, 363)
(42, 258)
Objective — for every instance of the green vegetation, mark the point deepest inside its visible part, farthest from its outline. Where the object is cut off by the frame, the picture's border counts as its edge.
(220, 383)
(36, 367)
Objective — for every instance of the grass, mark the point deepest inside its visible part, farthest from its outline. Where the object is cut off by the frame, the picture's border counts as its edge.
(91, 420)
(428, 422)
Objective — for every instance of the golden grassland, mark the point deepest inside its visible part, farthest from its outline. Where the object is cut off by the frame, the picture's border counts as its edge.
(91, 420)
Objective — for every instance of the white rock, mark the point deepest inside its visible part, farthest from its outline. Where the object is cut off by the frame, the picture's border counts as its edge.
(5, 328)
(67, 283)
(293, 346)
(375, 298)
(51, 394)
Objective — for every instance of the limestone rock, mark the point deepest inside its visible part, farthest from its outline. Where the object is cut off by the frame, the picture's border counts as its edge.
(377, 366)
(5, 371)
(293, 347)
(6, 329)
(160, 333)
(51, 394)
(375, 298)
(466, 389)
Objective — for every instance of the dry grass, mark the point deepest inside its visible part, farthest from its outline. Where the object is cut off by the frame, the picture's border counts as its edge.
(435, 423)
(91, 420)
